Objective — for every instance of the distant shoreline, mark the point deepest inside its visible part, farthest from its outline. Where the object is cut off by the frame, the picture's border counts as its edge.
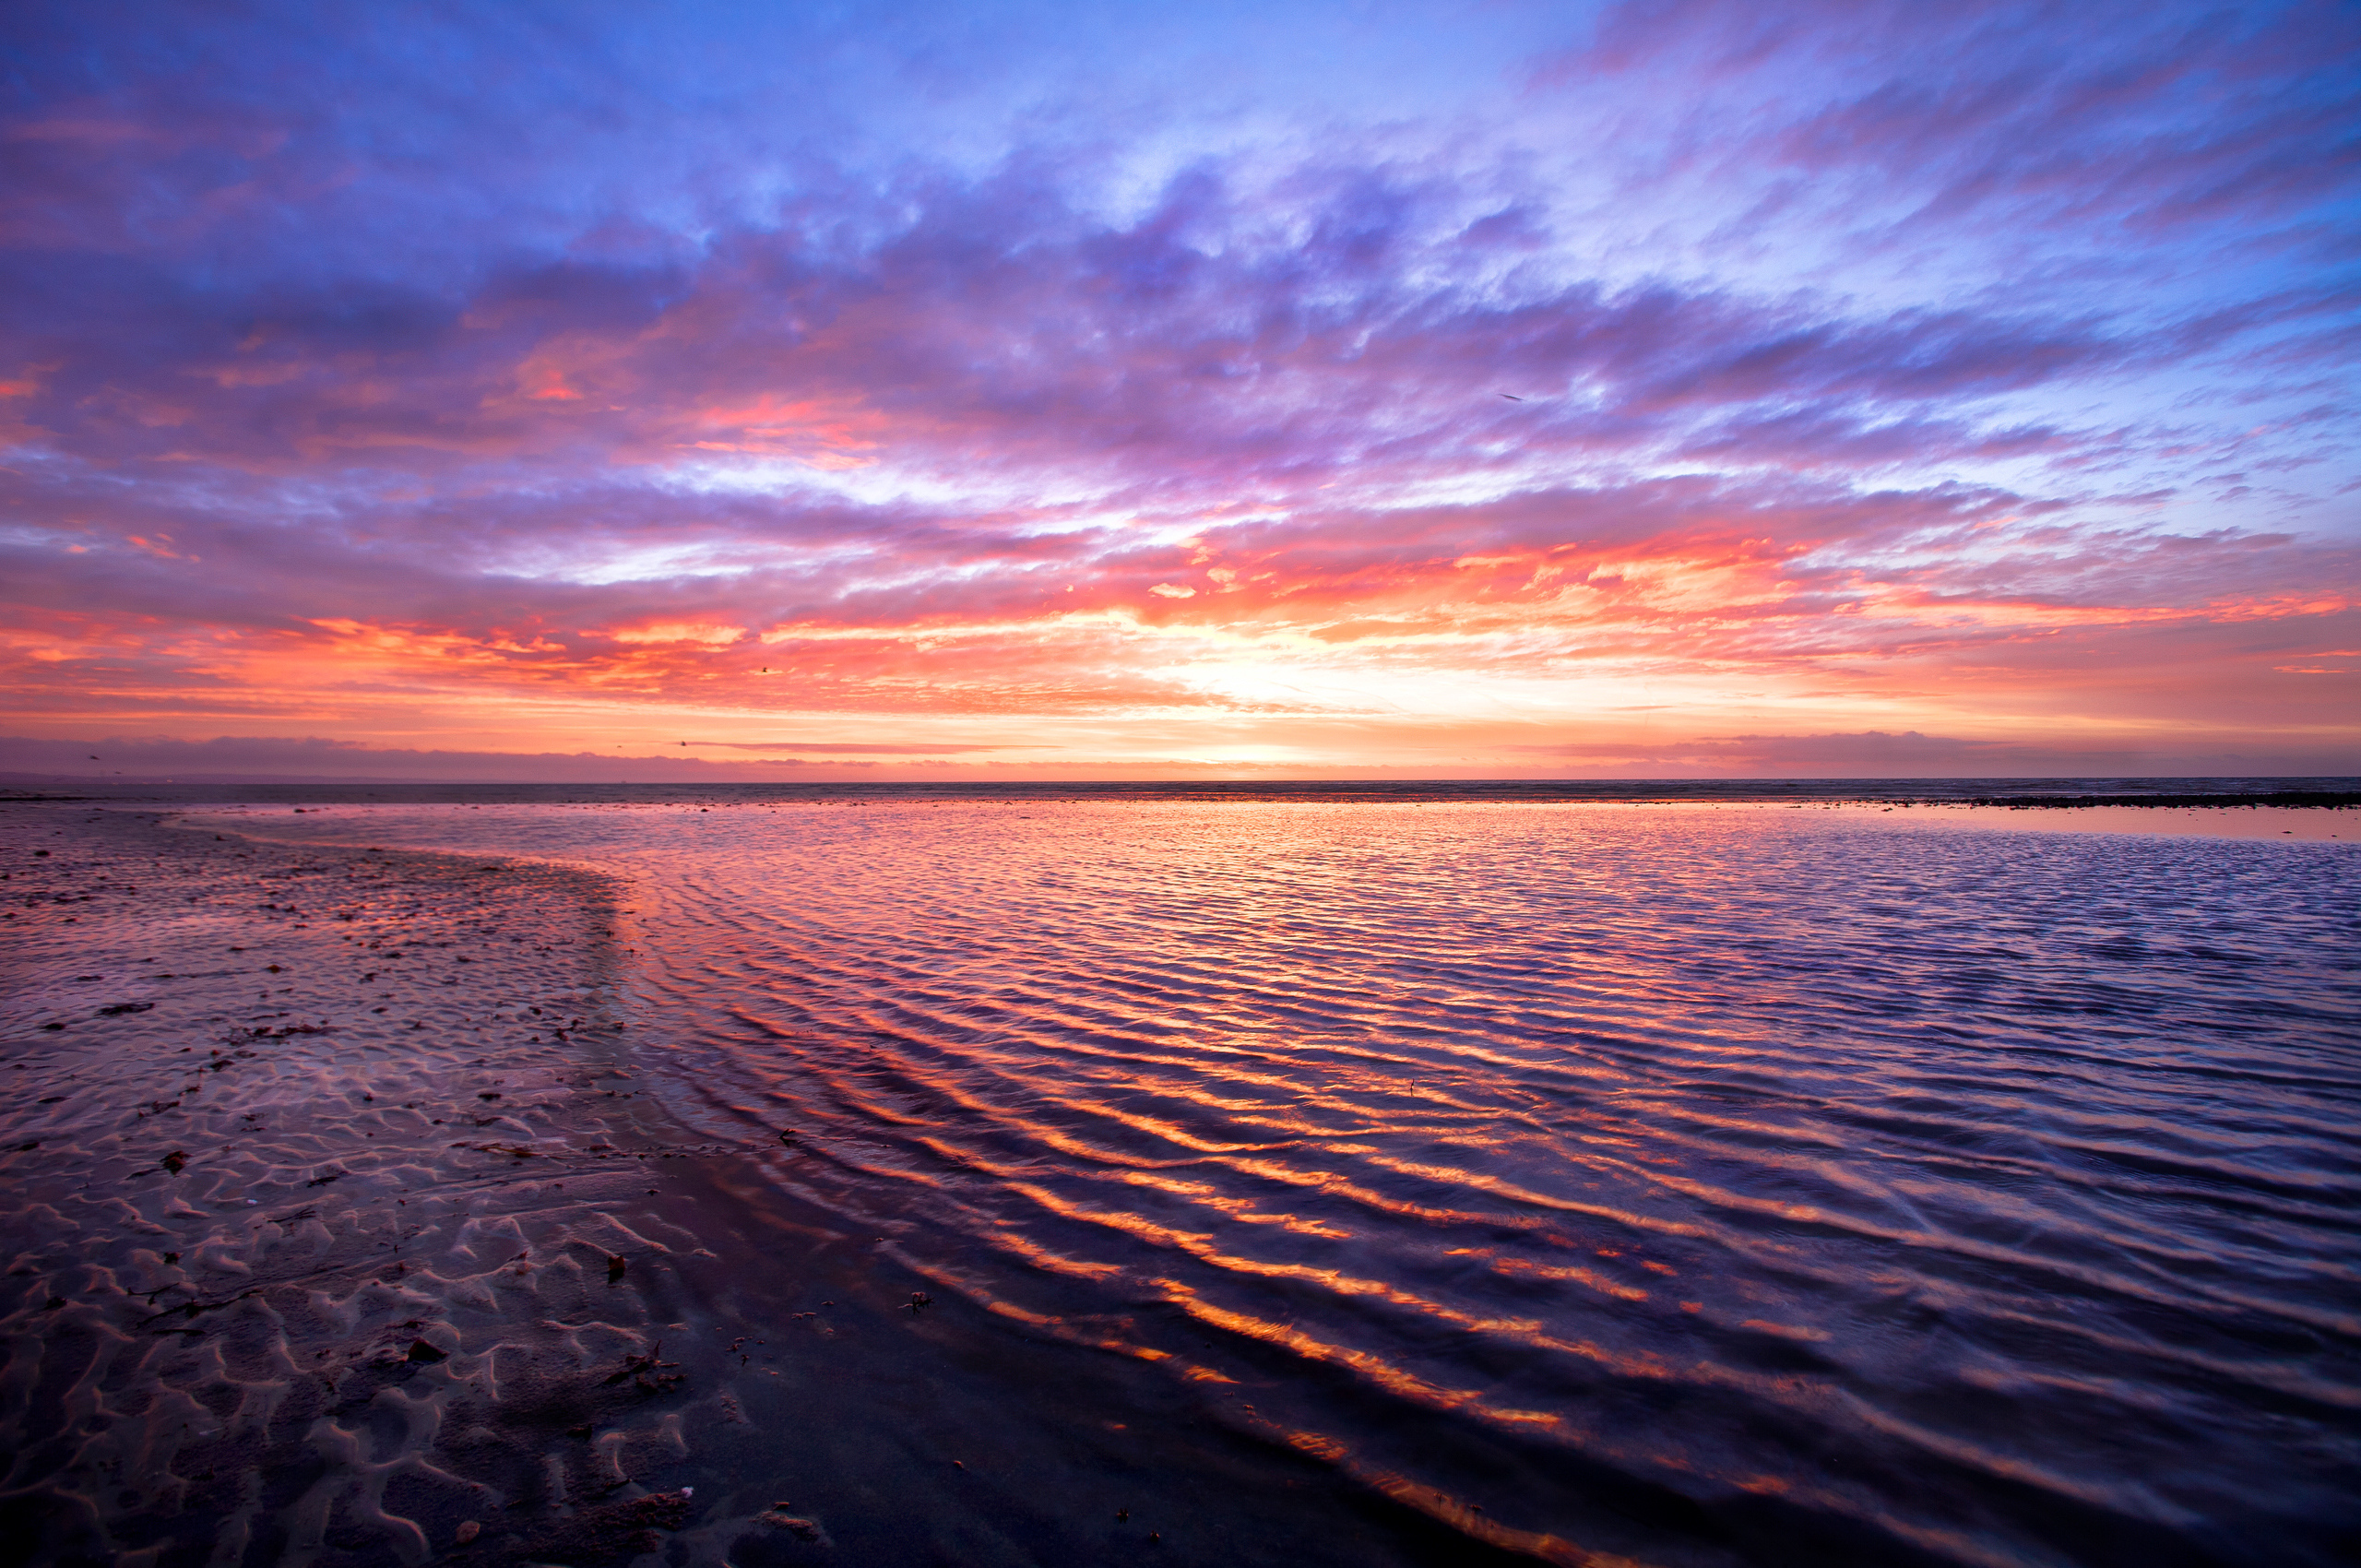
(2335, 793)
(2307, 799)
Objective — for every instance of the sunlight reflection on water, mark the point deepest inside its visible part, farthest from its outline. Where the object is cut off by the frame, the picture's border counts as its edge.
(1651, 1177)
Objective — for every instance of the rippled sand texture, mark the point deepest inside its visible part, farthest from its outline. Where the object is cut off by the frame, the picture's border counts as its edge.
(274, 1205)
(1682, 1185)
(319, 1166)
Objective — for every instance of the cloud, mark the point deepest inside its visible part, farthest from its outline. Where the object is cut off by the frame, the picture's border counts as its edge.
(1874, 754)
(1865, 359)
(228, 760)
(2153, 117)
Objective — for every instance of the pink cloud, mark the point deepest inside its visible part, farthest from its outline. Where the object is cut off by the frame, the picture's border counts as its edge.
(304, 419)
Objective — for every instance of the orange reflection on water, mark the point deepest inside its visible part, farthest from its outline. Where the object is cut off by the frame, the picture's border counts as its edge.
(1707, 1154)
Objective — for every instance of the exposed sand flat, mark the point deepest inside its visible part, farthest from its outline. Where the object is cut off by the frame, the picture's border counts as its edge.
(311, 1237)
(308, 1229)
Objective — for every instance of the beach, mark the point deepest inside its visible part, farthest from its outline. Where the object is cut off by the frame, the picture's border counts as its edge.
(340, 1229)
(1297, 786)
(288, 1199)
(1029, 1182)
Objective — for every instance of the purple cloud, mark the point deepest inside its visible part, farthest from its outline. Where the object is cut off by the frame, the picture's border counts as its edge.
(365, 366)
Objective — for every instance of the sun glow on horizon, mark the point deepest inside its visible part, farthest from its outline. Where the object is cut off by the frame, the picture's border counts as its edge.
(1988, 386)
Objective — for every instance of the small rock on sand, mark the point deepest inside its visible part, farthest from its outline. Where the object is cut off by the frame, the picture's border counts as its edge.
(805, 1529)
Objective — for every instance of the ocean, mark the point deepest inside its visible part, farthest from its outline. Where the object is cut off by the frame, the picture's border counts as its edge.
(1361, 1177)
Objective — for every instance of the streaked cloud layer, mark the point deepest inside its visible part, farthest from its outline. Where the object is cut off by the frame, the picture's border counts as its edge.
(1662, 388)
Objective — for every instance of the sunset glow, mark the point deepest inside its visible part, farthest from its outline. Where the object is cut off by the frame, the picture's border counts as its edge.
(941, 392)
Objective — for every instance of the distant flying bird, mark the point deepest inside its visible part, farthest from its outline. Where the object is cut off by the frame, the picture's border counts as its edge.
(1512, 396)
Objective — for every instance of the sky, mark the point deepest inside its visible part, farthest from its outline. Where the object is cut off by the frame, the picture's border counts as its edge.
(622, 391)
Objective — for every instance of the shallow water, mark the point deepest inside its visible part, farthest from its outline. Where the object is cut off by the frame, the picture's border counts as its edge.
(1679, 1184)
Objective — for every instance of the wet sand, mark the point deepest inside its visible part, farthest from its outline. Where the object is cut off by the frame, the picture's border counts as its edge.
(338, 1230)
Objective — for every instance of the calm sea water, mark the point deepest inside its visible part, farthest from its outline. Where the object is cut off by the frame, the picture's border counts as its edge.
(1668, 1182)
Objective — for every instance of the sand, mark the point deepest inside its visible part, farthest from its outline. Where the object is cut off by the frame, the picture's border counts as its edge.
(315, 1239)
(340, 1228)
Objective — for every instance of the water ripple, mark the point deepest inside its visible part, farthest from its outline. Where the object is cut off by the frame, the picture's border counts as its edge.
(1694, 1186)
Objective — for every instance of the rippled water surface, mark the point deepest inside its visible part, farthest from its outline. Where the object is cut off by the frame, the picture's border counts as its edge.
(1678, 1183)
